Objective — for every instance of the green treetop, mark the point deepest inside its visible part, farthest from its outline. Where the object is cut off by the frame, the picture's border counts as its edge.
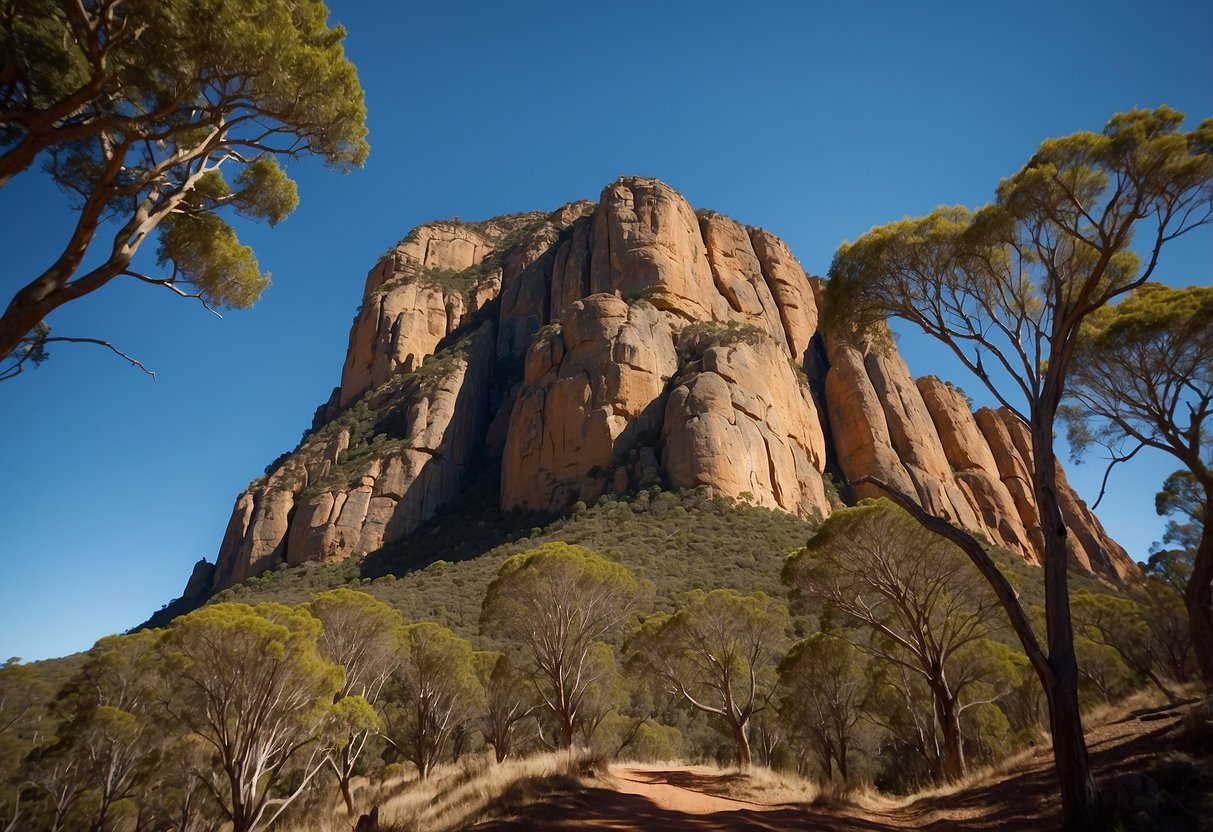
(1007, 288)
(557, 602)
(156, 114)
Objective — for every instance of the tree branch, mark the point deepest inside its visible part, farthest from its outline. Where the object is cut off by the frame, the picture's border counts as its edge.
(134, 361)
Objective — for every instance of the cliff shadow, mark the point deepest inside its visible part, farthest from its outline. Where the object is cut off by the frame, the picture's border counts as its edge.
(467, 527)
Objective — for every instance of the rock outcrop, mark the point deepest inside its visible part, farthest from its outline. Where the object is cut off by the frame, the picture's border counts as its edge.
(593, 392)
(605, 347)
(746, 425)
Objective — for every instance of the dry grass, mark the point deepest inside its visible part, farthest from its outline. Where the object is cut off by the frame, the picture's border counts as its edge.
(456, 795)
(1146, 699)
(975, 778)
(860, 794)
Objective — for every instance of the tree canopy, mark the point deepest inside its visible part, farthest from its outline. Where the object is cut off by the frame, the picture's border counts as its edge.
(911, 588)
(438, 692)
(264, 723)
(718, 653)
(152, 115)
(557, 602)
(1143, 378)
(1011, 283)
(824, 691)
(1007, 289)
(363, 635)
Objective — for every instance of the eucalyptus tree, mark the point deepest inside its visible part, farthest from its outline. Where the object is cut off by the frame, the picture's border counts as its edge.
(23, 700)
(153, 115)
(824, 693)
(108, 731)
(1143, 378)
(436, 692)
(1121, 624)
(249, 681)
(909, 587)
(1007, 289)
(557, 603)
(362, 634)
(509, 702)
(717, 652)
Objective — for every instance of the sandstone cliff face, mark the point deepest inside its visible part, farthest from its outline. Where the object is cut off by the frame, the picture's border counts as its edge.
(607, 346)
(746, 425)
(975, 468)
(376, 473)
(592, 392)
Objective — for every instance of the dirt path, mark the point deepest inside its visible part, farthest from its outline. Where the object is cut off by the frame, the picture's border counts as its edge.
(691, 799)
(695, 791)
(683, 799)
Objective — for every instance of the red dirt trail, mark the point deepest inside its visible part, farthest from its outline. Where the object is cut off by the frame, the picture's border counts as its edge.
(691, 799)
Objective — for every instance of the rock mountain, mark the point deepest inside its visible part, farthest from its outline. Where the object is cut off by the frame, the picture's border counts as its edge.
(605, 347)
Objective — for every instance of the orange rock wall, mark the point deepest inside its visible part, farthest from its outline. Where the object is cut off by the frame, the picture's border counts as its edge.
(608, 346)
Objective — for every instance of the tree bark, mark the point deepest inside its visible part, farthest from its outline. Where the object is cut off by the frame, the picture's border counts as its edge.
(741, 738)
(948, 717)
(347, 796)
(566, 731)
(1077, 787)
(102, 816)
(1198, 597)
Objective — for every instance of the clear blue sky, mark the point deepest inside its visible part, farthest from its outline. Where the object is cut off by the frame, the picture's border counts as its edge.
(815, 120)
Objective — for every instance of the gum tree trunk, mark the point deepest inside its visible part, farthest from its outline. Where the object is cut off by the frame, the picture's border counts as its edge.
(1076, 786)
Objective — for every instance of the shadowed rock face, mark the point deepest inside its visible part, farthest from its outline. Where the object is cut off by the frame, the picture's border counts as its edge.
(605, 347)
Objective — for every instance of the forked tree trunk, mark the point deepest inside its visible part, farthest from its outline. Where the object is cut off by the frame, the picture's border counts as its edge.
(948, 718)
(741, 738)
(1057, 671)
(566, 730)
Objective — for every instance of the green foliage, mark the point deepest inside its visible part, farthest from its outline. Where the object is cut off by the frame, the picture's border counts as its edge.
(262, 721)
(376, 422)
(718, 652)
(1181, 497)
(436, 692)
(557, 603)
(654, 741)
(1056, 240)
(265, 192)
(1143, 375)
(824, 692)
(23, 700)
(928, 611)
(678, 542)
(106, 737)
(516, 227)
(204, 251)
(509, 701)
(1105, 676)
(360, 633)
(1121, 624)
(139, 108)
(1011, 285)
(697, 338)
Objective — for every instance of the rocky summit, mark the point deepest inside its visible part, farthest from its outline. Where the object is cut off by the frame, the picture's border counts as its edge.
(605, 347)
